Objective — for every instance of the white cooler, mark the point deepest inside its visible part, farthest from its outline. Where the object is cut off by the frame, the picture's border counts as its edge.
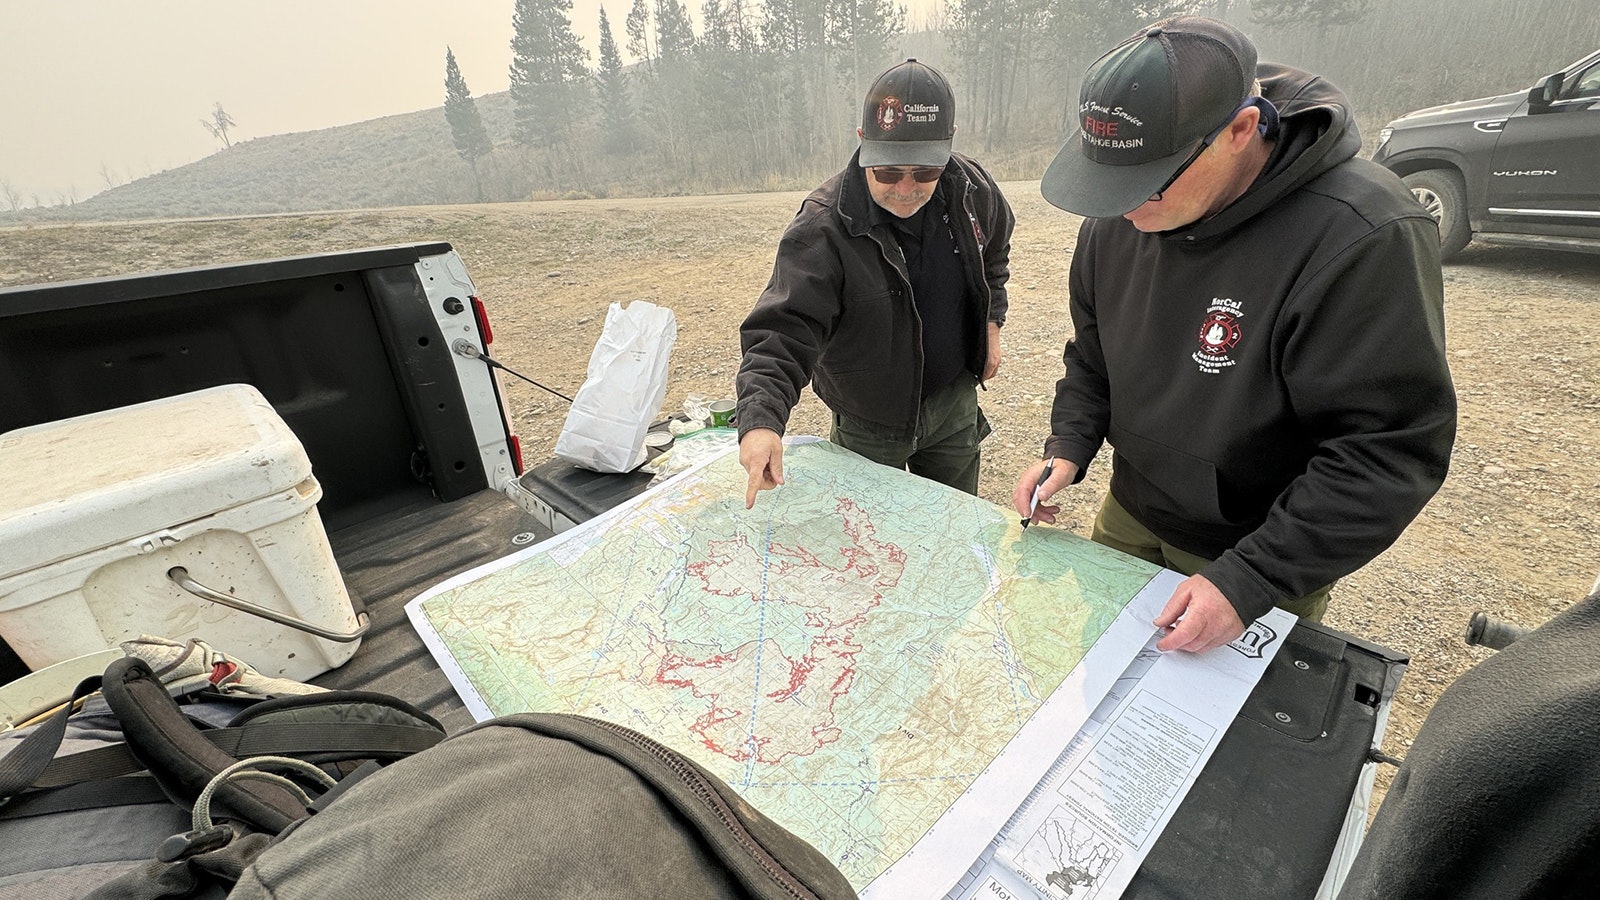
(120, 523)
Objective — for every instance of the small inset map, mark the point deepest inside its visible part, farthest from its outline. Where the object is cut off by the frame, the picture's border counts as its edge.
(1065, 858)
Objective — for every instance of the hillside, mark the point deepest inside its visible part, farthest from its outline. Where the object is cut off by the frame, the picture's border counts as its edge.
(680, 139)
(398, 160)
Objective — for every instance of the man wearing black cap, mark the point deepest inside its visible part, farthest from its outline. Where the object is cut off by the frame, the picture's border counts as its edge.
(888, 294)
(1258, 330)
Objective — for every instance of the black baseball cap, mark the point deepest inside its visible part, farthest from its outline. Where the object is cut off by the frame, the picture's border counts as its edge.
(909, 118)
(1144, 107)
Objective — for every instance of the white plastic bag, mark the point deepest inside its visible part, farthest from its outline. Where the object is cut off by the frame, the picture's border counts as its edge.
(625, 387)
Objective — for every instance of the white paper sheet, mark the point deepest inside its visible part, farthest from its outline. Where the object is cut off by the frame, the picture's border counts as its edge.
(1087, 827)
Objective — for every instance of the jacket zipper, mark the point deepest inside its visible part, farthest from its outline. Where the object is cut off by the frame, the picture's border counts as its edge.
(905, 283)
(982, 286)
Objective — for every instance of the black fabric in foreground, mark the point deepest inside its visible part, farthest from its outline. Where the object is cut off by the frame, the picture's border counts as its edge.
(1499, 796)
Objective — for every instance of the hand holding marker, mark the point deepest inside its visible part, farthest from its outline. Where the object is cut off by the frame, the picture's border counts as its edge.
(1049, 466)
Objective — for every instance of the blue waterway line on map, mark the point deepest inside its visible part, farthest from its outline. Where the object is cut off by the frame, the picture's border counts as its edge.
(870, 783)
(1008, 661)
(761, 637)
(617, 618)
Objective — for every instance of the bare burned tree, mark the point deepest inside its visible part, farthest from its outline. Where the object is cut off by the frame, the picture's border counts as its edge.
(218, 125)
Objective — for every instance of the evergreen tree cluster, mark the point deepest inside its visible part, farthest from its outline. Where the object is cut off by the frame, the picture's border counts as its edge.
(742, 95)
(762, 94)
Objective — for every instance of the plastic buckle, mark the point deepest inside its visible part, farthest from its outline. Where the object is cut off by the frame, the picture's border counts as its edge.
(193, 843)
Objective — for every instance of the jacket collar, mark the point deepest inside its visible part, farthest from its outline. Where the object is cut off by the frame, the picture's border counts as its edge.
(855, 204)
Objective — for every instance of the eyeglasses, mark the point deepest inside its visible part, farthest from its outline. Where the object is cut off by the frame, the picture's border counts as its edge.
(1185, 167)
(919, 174)
(1200, 149)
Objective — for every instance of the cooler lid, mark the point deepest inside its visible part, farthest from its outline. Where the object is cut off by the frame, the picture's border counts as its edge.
(88, 482)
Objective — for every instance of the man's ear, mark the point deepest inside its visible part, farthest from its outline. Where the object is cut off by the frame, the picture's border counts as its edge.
(859, 133)
(1244, 127)
(1267, 123)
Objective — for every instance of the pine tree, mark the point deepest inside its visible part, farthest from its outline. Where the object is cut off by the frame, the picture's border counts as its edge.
(616, 107)
(669, 92)
(860, 32)
(638, 29)
(466, 126)
(793, 38)
(549, 71)
(674, 34)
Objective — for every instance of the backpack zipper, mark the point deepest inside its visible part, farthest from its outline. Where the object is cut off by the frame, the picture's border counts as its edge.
(714, 801)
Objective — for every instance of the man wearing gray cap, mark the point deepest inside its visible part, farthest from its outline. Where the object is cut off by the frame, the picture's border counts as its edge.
(1258, 330)
(887, 295)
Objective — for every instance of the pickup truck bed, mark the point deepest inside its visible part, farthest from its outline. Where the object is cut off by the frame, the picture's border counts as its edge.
(412, 447)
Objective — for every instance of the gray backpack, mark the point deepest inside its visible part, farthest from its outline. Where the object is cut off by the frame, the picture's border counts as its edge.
(354, 795)
(541, 806)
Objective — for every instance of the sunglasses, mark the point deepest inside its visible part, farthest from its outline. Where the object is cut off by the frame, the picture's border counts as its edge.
(1201, 149)
(920, 174)
(1185, 167)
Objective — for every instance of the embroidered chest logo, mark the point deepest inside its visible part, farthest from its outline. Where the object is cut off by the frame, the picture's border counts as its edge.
(1219, 333)
(890, 112)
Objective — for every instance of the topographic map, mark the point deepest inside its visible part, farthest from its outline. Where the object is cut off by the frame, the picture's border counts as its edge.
(849, 655)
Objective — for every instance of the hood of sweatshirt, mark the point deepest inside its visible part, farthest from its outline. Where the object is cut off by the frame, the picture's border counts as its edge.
(1316, 131)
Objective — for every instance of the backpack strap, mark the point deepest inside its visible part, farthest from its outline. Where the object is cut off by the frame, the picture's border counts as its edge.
(168, 744)
(100, 794)
(326, 727)
(32, 755)
(315, 741)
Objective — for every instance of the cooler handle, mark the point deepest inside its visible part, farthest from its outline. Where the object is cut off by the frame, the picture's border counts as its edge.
(180, 576)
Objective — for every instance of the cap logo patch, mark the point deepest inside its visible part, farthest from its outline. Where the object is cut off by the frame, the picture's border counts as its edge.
(890, 112)
(1108, 127)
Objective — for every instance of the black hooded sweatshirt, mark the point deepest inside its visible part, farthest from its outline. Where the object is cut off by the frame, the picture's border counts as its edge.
(1272, 378)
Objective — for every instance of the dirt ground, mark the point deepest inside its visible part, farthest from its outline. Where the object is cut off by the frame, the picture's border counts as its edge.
(1513, 532)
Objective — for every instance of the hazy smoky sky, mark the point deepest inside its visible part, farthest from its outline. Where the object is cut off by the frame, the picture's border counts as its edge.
(98, 88)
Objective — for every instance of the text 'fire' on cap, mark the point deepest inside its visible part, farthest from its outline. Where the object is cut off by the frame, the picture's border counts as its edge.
(1143, 109)
(909, 118)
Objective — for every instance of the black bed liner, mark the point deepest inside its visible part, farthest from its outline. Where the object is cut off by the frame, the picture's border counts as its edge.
(387, 562)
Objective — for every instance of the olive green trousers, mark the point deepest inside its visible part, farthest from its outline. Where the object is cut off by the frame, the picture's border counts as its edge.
(1117, 528)
(950, 426)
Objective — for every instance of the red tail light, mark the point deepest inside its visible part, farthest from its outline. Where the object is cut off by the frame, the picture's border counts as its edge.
(482, 315)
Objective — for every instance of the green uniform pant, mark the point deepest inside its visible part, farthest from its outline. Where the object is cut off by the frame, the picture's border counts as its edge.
(950, 426)
(1116, 527)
